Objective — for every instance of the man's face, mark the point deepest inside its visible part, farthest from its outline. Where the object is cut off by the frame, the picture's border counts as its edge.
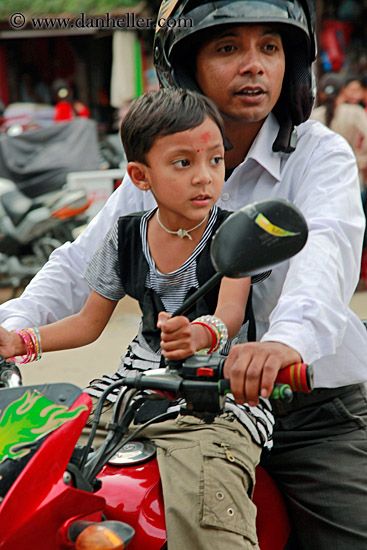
(241, 68)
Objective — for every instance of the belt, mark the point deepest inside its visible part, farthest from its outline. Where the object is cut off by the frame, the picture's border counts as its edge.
(318, 395)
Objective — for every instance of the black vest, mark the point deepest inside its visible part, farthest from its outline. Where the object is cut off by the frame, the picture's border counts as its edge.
(134, 269)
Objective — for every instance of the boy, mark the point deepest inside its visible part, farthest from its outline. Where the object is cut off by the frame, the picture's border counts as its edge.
(173, 141)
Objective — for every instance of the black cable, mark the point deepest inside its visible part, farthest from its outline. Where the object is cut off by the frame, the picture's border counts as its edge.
(159, 418)
(109, 442)
(108, 447)
(96, 418)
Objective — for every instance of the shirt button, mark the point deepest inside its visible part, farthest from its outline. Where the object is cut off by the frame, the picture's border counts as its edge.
(225, 196)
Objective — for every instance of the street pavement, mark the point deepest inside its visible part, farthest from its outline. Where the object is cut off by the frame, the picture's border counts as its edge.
(79, 366)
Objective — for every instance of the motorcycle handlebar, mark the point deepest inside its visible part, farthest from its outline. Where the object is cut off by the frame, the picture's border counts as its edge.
(298, 377)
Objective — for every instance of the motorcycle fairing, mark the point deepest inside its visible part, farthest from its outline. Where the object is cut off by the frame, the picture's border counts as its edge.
(27, 415)
(38, 503)
(29, 419)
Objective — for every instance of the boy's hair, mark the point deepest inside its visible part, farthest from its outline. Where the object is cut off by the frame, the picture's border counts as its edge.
(161, 113)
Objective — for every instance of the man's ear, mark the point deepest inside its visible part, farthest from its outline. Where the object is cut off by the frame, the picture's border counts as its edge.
(139, 175)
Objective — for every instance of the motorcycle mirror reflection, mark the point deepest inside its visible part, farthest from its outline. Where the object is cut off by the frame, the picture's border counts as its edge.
(252, 240)
(257, 237)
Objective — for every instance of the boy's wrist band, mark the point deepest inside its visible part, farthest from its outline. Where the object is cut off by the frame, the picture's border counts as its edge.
(218, 330)
(213, 332)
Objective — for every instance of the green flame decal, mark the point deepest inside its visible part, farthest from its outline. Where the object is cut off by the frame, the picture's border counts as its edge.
(28, 419)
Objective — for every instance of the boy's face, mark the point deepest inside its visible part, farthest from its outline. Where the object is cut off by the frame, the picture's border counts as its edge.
(241, 68)
(186, 172)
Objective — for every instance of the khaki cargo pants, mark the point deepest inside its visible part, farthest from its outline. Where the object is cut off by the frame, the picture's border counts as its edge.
(208, 476)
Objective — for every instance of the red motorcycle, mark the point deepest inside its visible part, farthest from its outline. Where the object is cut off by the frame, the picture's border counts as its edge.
(51, 501)
(55, 495)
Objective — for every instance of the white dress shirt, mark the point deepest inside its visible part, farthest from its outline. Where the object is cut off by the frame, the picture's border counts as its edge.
(304, 303)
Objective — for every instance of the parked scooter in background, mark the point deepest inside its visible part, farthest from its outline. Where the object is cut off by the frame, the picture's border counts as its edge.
(99, 170)
(38, 212)
(30, 229)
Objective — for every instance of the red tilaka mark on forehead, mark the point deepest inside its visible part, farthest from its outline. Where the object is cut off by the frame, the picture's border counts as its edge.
(205, 136)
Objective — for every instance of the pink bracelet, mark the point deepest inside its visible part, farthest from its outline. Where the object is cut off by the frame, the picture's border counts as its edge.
(32, 340)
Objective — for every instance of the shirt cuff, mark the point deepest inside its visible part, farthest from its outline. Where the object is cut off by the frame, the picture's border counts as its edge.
(297, 336)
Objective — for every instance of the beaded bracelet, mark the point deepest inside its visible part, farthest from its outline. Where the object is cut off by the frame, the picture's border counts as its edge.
(217, 327)
(31, 338)
(36, 338)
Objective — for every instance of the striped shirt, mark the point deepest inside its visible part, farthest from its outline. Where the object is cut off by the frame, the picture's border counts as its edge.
(103, 276)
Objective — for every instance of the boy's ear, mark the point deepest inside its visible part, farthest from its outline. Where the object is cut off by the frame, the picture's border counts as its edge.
(139, 175)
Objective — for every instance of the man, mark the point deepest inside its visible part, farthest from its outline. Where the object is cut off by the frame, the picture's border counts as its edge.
(254, 59)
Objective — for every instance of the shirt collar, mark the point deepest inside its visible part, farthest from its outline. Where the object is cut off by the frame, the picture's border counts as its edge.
(261, 150)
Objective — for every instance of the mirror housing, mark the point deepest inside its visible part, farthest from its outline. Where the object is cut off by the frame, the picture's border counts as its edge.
(257, 237)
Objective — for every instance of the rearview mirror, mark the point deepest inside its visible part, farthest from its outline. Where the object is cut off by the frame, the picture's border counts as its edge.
(257, 237)
(252, 240)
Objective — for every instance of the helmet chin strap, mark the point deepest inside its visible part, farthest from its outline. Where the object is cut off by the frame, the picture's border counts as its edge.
(286, 140)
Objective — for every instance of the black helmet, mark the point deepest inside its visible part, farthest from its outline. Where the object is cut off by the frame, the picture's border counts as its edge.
(176, 43)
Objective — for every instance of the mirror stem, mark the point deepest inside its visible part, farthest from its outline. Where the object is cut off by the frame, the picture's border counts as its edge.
(186, 306)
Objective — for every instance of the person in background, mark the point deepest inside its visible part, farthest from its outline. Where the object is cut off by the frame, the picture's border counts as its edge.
(33, 88)
(352, 91)
(348, 119)
(66, 106)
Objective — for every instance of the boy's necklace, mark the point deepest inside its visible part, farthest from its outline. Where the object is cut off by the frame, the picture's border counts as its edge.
(180, 232)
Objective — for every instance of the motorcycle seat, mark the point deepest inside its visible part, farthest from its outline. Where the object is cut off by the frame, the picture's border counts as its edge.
(16, 205)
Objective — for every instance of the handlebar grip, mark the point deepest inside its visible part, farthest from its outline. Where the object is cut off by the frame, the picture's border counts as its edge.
(298, 376)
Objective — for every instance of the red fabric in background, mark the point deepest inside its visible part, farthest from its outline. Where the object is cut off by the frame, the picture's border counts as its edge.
(4, 91)
(64, 111)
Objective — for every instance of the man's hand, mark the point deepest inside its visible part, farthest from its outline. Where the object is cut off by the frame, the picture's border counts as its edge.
(253, 367)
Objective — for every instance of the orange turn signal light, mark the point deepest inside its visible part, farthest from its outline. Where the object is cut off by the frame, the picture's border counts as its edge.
(98, 537)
